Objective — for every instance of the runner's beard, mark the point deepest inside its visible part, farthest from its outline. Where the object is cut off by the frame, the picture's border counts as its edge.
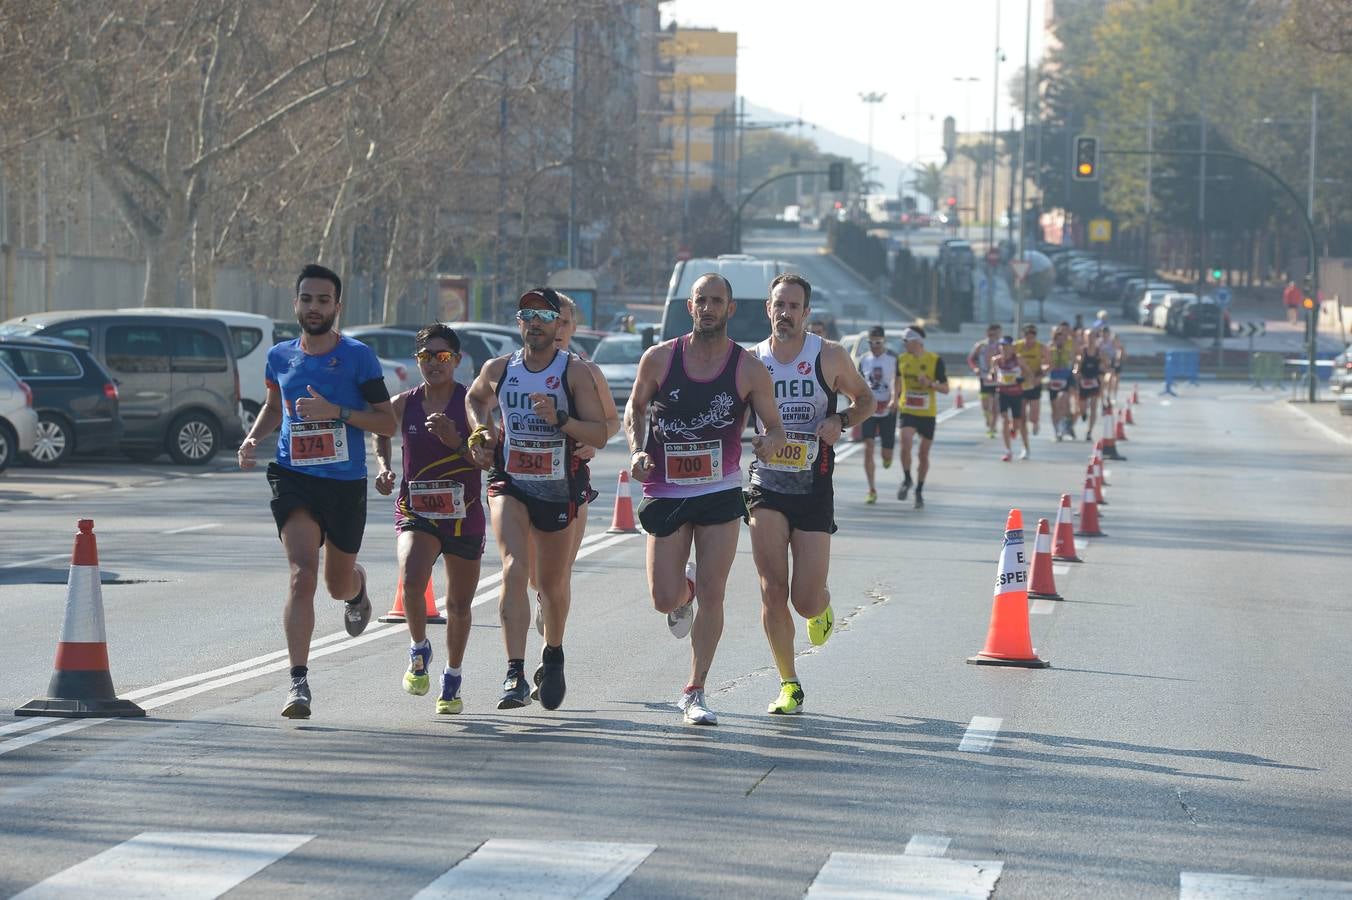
(539, 342)
(324, 327)
(718, 328)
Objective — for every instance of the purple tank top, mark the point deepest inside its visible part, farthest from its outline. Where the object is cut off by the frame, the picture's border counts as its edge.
(695, 429)
(439, 484)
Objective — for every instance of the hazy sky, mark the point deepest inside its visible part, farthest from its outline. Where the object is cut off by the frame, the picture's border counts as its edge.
(814, 57)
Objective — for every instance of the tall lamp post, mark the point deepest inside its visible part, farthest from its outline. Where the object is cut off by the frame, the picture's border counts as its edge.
(995, 122)
(872, 99)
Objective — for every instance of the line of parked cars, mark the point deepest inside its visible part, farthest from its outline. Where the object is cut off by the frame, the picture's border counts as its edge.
(1144, 298)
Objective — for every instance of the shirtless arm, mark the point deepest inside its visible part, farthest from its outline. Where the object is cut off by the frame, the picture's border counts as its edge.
(479, 402)
(588, 425)
(385, 477)
(843, 376)
(650, 368)
(760, 396)
(612, 416)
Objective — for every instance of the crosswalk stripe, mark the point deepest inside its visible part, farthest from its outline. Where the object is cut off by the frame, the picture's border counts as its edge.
(550, 870)
(980, 735)
(927, 845)
(1214, 886)
(878, 876)
(181, 865)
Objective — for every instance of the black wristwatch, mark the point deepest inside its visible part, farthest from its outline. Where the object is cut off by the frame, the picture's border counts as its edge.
(561, 419)
(844, 419)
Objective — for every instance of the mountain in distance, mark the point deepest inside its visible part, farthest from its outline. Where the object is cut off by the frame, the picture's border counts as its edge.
(889, 168)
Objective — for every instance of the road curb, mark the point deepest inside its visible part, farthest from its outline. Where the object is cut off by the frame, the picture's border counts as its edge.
(887, 298)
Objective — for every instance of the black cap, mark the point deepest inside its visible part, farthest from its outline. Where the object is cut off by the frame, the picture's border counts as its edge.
(548, 295)
(877, 331)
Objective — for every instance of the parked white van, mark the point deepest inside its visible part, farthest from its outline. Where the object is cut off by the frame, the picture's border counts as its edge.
(750, 279)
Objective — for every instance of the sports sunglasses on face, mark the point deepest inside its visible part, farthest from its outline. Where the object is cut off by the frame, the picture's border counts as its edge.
(441, 356)
(544, 315)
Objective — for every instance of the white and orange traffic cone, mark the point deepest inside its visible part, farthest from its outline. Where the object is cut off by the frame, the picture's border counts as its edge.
(1121, 433)
(1131, 420)
(1109, 434)
(1089, 520)
(1097, 459)
(1135, 397)
(397, 613)
(1064, 549)
(1009, 642)
(1041, 578)
(81, 685)
(1092, 477)
(622, 521)
(957, 399)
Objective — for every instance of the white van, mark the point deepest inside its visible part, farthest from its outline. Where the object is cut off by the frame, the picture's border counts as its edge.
(250, 338)
(750, 279)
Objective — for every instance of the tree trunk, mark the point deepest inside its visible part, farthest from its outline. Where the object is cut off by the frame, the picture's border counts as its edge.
(393, 285)
(204, 256)
(164, 257)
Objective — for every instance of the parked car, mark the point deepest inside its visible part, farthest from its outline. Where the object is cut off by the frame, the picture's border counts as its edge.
(1340, 381)
(177, 381)
(18, 421)
(1147, 302)
(74, 397)
(479, 342)
(587, 339)
(617, 357)
(1175, 302)
(1201, 318)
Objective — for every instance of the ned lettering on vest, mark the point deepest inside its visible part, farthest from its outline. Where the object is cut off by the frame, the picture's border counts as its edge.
(792, 499)
(549, 404)
(684, 424)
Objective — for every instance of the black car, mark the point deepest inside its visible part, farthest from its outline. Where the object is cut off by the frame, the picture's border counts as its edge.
(1200, 318)
(74, 396)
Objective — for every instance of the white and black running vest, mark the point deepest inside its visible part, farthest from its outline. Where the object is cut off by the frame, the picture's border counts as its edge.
(534, 454)
(805, 464)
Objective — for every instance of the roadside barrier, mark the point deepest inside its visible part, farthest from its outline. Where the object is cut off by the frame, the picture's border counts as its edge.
(1008, 640)
(397, 613)
(1042, 581)
(622, 520)
(1089, 520)
(81, 685)
(1065, 533)
(1180, 364)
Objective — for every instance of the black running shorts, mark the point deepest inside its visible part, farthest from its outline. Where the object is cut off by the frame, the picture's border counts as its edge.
(1012, 404)
(338, 506)
(923, 425)
(988, 389)
(467, 546)
(805, 512)
(544, 515)
(1033, 393)
(663, 516)
(884, 427)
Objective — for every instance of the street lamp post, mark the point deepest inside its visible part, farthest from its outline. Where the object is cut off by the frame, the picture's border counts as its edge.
(995, 122)
(872, 99)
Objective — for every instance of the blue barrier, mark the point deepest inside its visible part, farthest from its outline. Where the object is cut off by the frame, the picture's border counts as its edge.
(1181, 364)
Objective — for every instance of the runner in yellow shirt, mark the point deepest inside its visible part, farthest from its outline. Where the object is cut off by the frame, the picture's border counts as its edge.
(920, 376)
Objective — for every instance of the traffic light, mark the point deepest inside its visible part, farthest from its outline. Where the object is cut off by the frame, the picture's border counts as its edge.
(1217, 273)
(1086, 158)
(952, 201)
(835, 177)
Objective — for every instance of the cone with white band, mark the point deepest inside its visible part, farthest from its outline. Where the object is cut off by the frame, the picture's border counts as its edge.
(1135, 397)
(622, 520)
(1064, 549)
(81, 685)
(1097, 459)
(957, 399)
(1041, 578)
(1131, 420)
(1121, 433)
(1089, 523)
(1009, 642)
(1091, 472)
(1109, 432)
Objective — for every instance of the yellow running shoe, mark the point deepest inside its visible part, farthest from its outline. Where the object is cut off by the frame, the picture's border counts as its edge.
(416, 681)
(790, 700)
(450, 707)
(872, 497)
(819, 627)
(449, 703)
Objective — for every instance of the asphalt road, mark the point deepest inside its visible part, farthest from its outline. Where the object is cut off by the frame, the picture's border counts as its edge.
(1193, 720)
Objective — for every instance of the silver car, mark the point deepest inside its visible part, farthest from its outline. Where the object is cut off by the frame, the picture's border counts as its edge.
(617, 357)
(18, 421)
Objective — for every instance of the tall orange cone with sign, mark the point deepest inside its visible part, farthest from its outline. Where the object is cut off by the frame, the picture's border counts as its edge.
(1089, 523)
(1064, 549)
(397, 614)
(622, 521)
(1041, 578)
(81, 686)
(1009, 642)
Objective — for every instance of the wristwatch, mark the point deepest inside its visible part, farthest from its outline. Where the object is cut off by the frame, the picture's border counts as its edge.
(844, 419)
(344, 414)
(561, 419)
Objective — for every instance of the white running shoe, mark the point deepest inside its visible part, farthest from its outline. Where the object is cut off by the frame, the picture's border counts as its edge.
(539, 615)
(682, 617)
(690, 577)
(1023, 454)
(697, 711)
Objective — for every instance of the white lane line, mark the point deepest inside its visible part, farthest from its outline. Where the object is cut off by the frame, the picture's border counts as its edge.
(1213, 886)
(980, 735)
(575, 870)
(850, 876)
(179, 865)
(1330, 432)
(188, 528)
(856, 446)
(927, 845)
(1081, 546)
(1060, 570)
(34, 562)
(276, 661)
(1041, 607)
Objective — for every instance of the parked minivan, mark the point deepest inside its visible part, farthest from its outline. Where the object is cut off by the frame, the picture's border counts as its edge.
(178, 384)
(750, 279)
(18, 421)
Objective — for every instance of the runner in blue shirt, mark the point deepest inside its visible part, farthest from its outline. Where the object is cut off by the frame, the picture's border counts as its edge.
(324, 390)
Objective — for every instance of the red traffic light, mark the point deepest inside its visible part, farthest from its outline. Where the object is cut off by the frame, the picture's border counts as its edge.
(952, 201)
(839, 205)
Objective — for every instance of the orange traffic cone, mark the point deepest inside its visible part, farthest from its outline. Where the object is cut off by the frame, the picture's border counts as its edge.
(1064, 550)
(1091, 475)
(1121, 434)
(1009, 641)
(1135, 398)
(81, 686)
(1109, 434)
(1041, 579)
(397, 614)
(1089, 523)
(622, 522)
(957, 399)
(1097, 459)
(1130, 419)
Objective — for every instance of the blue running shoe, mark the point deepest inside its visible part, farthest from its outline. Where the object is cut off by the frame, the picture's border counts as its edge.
(416, 681)
(450, 704)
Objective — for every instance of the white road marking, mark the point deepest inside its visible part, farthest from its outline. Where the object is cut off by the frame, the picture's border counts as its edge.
(556, 870)
(34, 562)
(192, 685)
(1081, 546)
(188, 528)
(927, 845)
(1330, 432)
(1042, 607)
(1060, 570)
(1212, 886)
(980, 735)
(179, 865)
(851, 876)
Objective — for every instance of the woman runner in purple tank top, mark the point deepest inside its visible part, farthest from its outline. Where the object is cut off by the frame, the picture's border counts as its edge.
(439, 510)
